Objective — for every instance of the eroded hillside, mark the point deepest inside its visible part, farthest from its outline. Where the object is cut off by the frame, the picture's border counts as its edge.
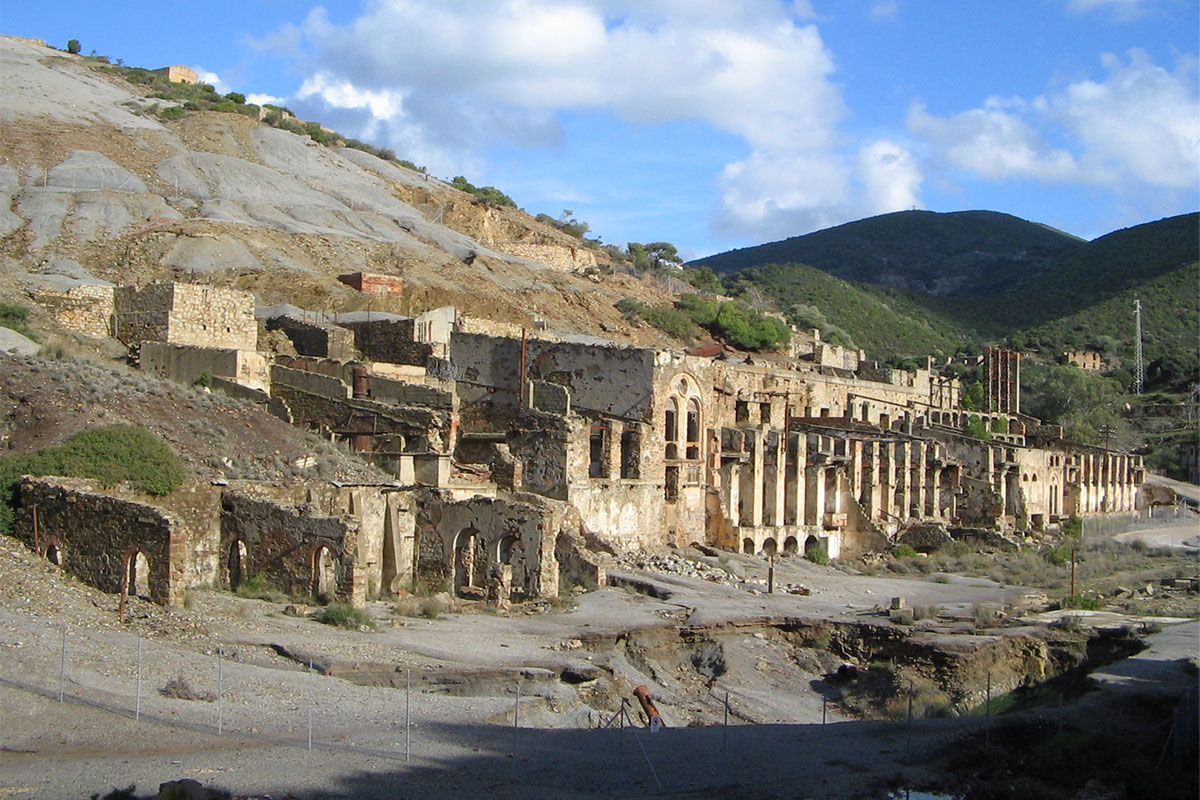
(100, 189)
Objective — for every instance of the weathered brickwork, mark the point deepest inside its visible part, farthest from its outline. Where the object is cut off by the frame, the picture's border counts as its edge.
(374, 283)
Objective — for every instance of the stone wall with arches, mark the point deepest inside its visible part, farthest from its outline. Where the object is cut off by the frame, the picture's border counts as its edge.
(104, 540)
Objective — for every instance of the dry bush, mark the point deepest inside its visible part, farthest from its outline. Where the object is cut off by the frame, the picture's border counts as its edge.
(180, 689)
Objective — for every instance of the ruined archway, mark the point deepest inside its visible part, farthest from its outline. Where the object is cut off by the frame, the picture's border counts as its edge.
(748, 546)
(138, 576)
(812, 548)
(791, 546)
(324, 581)
(236, 562)
(770, 546)
(467, 569)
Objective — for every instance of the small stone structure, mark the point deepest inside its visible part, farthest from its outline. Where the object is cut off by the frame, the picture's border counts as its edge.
(185, 314)
(178, 73)
(555, 256)
(87, 308)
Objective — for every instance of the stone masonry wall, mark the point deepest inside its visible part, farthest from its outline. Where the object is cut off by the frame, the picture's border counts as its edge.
(181, 313)
(283, 544)
(85, 309)
(554, 256)
(96, 534)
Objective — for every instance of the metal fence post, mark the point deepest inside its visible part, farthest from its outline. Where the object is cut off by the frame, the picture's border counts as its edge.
(220, 692)
(137, 694)
(407, 711)
(516, 713)
(987, 737)
(725, 741)
(62, 665)
(310, 703)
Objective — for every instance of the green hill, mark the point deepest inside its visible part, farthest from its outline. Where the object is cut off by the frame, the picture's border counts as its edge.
(959, 253)
(1081, 299)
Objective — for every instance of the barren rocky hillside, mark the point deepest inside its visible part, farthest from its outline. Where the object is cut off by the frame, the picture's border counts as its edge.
(98, 188)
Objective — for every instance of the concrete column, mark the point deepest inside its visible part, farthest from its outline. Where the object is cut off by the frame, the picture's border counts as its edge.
(870, 490)
(791, 477)
(773, 484)
(903, 478)
(918, 471)
(752, 499)
(814, 495)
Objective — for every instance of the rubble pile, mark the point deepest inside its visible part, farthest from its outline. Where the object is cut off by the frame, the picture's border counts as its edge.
(672, 564)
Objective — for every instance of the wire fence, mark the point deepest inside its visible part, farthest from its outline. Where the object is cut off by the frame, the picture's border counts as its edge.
(587, 752)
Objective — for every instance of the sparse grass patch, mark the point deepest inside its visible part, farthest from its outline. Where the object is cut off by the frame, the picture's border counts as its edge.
(344, 615)
(260, 587)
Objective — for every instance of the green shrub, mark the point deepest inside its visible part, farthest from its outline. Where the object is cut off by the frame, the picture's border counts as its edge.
(1059, 556)
(818, 554)
(488, 194)
(999, 425)
(110, 454)
(344, 615)
(15, 318)
(904, 551)
(976, 428)
(671, 321)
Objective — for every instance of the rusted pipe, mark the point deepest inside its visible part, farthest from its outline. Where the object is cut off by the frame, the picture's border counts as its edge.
(37, 541)
(652, 716)
(362, 383)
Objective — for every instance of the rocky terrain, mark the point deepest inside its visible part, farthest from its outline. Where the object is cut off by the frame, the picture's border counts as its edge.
(98, 188)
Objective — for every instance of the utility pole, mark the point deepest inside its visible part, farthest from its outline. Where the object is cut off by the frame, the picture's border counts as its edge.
(1139, 370)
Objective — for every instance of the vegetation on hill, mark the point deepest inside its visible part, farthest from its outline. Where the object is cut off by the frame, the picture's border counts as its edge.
(960, 253)
(733, 321)
(15, 318)
(110, 454)
(488, 194)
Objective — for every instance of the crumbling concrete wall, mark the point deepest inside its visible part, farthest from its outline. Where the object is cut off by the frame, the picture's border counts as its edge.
(185, 363)
(96, 537)
(296, 549)
(608, 379)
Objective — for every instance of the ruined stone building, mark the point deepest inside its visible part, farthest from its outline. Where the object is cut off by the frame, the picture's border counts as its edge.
(512, 461)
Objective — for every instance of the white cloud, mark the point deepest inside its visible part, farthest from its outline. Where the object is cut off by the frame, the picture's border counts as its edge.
(1141, 124)
(1122, 10)
(452, 79)
(885, 9)
(264, 99)
(890, 177)
(213, 79)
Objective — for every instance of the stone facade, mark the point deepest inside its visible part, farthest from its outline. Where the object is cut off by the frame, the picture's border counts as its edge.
(186, 314)
(86, 309)
(178, 73)
(1086, 360)
(186, 363)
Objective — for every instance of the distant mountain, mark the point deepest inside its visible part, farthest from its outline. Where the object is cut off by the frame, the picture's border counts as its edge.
(959, 253)
(1080, 299)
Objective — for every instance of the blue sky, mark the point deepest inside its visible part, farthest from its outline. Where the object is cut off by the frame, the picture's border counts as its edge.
(716, 124)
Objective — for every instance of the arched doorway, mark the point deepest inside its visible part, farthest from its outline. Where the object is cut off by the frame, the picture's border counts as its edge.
(467, 567)
(769, 547)
(748, 546)
(324, 574)
(812, 548)
(53, 554)
(138, 579)
(236, 563)
(791, 546)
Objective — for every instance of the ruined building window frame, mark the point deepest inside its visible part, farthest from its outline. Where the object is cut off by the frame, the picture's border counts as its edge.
(693, 427)
(599, 444)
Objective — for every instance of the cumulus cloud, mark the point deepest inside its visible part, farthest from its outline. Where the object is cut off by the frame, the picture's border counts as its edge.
(212, 79)
(441, 82)
(1140, 124)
